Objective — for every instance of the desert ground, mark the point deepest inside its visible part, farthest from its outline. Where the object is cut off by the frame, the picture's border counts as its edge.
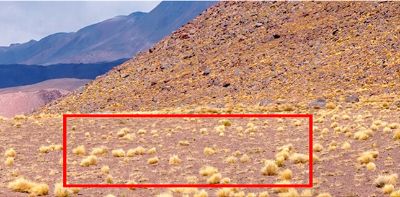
(355, 153)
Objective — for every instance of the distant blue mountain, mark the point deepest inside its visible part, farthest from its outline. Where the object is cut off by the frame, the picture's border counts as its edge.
(12, 75)
(116, 38)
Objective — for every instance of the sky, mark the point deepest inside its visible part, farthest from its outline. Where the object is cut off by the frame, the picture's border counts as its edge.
(22, 21)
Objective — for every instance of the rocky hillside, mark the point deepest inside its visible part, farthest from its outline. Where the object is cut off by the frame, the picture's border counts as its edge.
(259, 53)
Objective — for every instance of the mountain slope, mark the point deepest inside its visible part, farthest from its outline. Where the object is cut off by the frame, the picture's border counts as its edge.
(116, 38)
(249, 53)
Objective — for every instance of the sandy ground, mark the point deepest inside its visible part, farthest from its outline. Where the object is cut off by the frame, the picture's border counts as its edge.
(338, 169)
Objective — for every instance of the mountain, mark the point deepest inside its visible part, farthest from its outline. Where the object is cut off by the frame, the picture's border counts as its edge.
(258, 53)
(25, 99)
(18, 74)
(116, 38)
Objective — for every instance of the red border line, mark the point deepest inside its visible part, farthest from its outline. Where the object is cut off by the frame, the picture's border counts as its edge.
(310, 128)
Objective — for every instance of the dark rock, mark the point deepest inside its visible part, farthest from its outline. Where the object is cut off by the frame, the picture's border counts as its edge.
(206, 71)
(352, 99)
(184, 36)
(226, 84)
(258, 25)
(276, 36)
(318, 103)
(397, 104)
(264, 102)
(165, 66)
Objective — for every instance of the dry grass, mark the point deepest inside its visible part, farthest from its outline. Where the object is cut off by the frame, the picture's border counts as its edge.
(208, 171)
(153, 160)
(80, 150)
(10, 153)
(26, 186)
(270, 168)
(118, 153)
(88, 161)
(175, 160)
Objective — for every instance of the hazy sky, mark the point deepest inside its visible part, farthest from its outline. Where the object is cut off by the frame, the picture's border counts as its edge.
(23, 21)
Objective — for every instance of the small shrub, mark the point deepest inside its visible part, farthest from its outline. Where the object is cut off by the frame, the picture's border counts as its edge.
(118, 153)
(26, 186)
(80, 150)
(153, 160)
(88, 161)
(208, 171)
(270, 168)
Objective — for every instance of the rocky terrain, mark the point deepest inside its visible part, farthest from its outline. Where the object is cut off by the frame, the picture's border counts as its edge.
(336, 60)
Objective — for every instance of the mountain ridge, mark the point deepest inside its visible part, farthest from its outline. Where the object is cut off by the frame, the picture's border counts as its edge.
(116, 38)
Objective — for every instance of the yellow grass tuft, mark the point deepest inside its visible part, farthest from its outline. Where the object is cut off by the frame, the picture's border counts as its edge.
(231, 159)
(9, 161)
(388, 189)
(174, 160)
(270, 168)
(60, 191)
(324, 195)
(299, 158)
(209, 151)
(346, 146)
(141, 132)
(109, 179)
(98, 151)
(286, 175)
(105, 169)
(368, 156)
(118, 153)
(244, 158)
(291, 192)
(201, 193)
(363, 134)
(371, 166)
(306, 193)
(10, 152)
(318, 147)
(215, 178)
(26, 186)
(383, 180)
(152, 151)
(396, 135)
(208, 171)
(80, 150)
(395, 194)
(122, 132)
(136, 151)
(263, 194)
(225, 122)
(153, 160)
(88, 161)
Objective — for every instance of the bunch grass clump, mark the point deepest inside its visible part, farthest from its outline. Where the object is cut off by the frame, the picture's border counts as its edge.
(26, 186)
(118, 153)
(208, 171)
(270, 168)
(89, 161)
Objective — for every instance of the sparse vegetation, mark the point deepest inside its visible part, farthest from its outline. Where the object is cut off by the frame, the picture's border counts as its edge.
(26, 186)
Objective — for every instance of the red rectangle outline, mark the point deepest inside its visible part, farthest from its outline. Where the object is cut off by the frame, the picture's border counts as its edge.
(310, 129)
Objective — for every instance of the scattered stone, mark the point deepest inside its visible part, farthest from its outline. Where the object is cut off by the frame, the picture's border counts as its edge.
(318, 103)
(352, 99)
